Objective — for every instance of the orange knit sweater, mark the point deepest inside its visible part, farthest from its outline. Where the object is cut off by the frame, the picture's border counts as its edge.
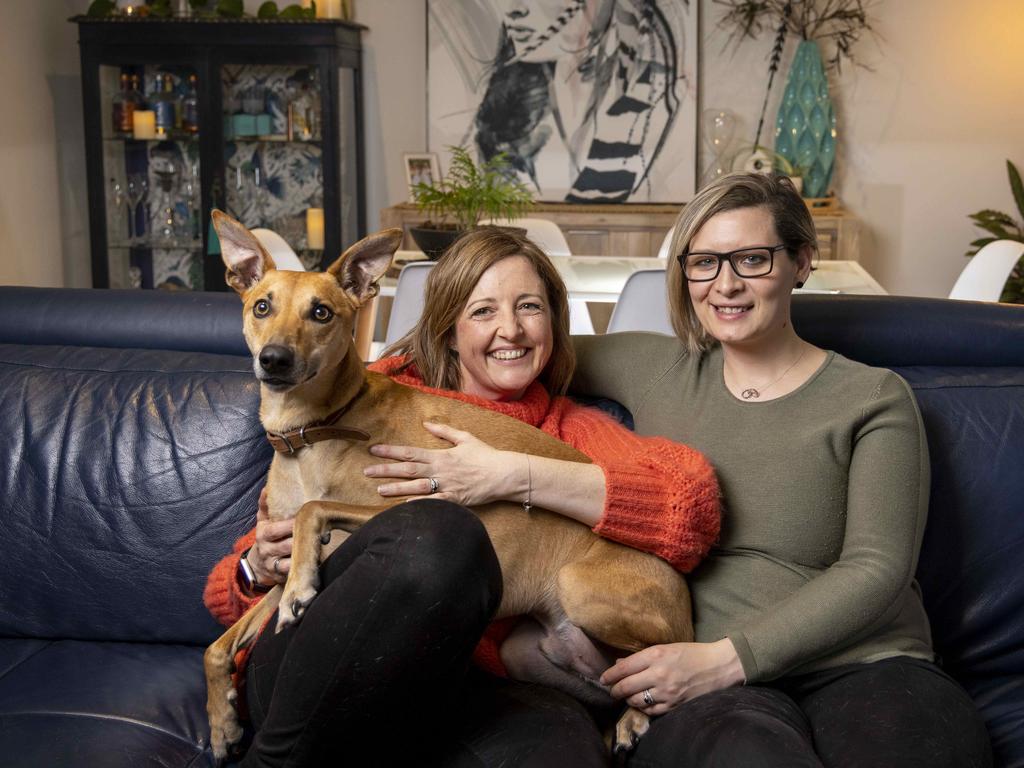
(661, 497)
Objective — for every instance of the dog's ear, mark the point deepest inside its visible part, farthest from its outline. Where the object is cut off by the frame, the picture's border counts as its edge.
(362, 265)
(246, 260)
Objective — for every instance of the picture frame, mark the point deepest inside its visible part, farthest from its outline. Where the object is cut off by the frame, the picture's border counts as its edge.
(421, 167)
(617, 125)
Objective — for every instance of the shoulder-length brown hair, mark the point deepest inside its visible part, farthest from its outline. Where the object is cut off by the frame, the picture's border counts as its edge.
(776, 194)
(430, 344)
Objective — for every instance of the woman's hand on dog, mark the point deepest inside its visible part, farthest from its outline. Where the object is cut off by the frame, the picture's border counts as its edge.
(673, 674)
(470, 472)
(273, 546)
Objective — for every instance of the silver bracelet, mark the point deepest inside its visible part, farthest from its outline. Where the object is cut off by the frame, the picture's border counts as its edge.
(529, 485)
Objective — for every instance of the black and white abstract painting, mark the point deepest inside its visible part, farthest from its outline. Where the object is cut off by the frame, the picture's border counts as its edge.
(592, 101)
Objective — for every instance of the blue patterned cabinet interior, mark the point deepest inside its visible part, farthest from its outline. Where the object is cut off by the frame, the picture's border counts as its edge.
(267, 125)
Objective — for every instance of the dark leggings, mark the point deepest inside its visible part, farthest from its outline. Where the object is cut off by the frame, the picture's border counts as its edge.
(375, 673)
(898, 712)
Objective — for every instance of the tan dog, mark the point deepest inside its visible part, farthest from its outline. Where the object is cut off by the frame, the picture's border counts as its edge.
(299, 328)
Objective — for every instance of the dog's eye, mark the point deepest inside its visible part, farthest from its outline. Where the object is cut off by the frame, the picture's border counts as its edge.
(321, 313)
(261, 308)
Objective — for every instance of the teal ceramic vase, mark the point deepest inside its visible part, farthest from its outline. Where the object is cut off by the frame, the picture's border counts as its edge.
(805, 128)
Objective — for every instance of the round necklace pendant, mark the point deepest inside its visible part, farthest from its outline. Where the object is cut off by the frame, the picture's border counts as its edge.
(750, 393)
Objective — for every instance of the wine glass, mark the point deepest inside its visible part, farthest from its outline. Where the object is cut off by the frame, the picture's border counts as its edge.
(138, 190)
(118, 206)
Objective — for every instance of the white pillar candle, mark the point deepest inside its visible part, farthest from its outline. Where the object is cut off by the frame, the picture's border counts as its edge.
(315, 228)
(144, 124)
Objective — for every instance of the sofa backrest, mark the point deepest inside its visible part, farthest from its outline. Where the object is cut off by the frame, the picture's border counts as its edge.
(125, 474)
(965, 362)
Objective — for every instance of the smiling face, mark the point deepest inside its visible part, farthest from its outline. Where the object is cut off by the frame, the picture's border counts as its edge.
(503, 335)
(745, 311)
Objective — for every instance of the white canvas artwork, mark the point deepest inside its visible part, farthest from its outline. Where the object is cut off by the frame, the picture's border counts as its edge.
(592, 101)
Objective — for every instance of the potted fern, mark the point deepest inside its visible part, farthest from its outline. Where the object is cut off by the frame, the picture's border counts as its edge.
(1002, 226)
(470, 192)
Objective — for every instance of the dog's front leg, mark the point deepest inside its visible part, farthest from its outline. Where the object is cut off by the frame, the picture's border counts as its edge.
(219, 663)
(313, 525)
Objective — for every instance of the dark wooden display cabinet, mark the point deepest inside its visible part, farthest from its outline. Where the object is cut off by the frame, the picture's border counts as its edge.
(262, 119)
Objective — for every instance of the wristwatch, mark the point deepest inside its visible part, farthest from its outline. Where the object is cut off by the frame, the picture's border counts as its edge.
(247, 577)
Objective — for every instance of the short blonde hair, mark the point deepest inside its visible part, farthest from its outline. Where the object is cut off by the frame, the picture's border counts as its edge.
(776, 194)
(449, 286)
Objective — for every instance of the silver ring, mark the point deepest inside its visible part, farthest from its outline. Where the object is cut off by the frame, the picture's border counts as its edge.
(648, 698)
(433, 484)
(276, 561)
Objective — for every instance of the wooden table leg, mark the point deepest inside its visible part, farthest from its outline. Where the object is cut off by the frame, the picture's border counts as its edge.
(366, 322)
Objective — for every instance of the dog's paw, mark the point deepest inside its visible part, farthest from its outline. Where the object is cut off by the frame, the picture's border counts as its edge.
(225, 732)
(293, 605)
(631, 727)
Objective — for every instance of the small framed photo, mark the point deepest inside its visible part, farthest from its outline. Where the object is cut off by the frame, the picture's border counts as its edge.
(421, 167)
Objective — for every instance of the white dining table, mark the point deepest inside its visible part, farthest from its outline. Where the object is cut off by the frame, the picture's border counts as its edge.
(600, 279)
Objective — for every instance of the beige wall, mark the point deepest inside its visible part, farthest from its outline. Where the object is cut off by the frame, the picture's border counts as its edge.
(43, 219)
(924, 134)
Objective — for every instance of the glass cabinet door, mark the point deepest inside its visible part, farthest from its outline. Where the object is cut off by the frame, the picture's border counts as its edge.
(274, 153)
(151, 172)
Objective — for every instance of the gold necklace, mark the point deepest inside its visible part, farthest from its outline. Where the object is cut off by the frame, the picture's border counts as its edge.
(753, 393)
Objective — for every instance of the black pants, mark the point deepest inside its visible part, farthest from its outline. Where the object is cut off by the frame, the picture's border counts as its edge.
(375, 673)
(899, 712)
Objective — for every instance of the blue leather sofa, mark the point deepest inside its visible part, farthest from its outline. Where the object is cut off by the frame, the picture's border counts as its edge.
(131, 458)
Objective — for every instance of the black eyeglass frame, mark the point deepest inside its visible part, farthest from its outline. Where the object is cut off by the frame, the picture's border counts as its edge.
(723, 257)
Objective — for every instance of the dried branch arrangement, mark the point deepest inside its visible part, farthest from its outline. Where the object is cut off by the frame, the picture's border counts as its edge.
(837, 24)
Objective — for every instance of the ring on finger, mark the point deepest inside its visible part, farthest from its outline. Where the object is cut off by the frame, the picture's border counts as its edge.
(433, 484)
(648, 697)
(277, 565)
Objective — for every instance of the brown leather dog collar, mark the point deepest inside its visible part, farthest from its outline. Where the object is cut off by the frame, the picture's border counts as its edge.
(290, 442)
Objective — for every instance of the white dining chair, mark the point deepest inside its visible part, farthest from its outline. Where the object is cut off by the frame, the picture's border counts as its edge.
(666, 245)
(282, 254)
(408, 302)
(985, 274)
(544, 232)
(642, 305)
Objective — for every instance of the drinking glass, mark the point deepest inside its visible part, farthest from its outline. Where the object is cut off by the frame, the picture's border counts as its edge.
(118, 205)
(138, 190)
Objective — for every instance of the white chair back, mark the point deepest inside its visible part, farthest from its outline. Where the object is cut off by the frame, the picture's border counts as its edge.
(666, 244)
(544, 232)
(985, 274)
(282, 254)
(408, 303)
(642, 305)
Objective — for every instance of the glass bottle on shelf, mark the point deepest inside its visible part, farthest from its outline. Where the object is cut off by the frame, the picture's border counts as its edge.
(190, 106)
(138, 100)
(165, 106)
(123, 107)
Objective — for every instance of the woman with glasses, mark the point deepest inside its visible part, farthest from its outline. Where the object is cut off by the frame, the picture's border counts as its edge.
(812, 644)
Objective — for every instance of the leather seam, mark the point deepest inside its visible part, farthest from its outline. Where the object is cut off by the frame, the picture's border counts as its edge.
(48, 644)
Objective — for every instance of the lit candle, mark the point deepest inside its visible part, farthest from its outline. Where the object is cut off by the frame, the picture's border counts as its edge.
(315, 228)
(144, 124)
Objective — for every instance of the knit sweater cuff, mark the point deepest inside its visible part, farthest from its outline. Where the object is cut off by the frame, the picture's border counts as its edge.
(636, 503)
(223, 595)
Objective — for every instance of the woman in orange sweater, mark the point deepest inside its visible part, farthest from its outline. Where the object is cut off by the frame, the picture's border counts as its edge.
(494, 332)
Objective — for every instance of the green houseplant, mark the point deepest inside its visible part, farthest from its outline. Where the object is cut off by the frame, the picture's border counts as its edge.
(470, 192)
(1002, 226)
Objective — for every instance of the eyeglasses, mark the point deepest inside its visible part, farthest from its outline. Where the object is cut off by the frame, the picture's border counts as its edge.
(746, 262)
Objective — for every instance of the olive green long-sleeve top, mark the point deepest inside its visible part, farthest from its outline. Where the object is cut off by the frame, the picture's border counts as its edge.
(825, 496)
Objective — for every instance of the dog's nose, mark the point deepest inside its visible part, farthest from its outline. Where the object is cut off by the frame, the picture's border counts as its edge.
(276, 359)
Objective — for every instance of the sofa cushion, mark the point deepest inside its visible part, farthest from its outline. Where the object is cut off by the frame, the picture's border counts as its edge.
(124, 476)
(121, 705)
(969, 570)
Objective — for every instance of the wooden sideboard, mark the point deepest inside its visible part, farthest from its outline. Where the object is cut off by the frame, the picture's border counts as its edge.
(637, 229)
